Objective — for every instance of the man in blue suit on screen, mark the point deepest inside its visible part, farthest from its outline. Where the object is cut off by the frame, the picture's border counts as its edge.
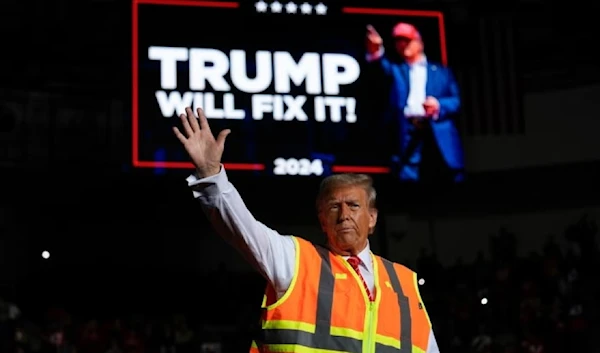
(424, 101)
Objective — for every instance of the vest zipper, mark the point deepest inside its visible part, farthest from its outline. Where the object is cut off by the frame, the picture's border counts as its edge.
(369, 345)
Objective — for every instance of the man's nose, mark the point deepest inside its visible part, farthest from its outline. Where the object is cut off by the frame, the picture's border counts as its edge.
(344, 213)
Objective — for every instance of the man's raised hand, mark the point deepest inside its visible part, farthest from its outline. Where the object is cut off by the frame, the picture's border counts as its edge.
(374, 40)
(204, 150)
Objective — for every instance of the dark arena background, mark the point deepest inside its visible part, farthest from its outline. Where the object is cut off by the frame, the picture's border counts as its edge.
(104, 249)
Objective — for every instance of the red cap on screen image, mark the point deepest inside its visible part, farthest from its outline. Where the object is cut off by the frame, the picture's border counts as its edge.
(405, 30)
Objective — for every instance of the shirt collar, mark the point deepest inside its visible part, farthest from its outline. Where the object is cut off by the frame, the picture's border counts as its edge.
(366, 262)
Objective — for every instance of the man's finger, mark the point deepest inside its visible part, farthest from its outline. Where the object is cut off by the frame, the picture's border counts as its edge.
(372, 30)
(179, 135)
(222, 135)
(191, 118)
(186, 125)
(203, 121)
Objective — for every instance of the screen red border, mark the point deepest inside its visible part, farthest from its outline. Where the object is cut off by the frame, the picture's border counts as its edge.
(234, 5)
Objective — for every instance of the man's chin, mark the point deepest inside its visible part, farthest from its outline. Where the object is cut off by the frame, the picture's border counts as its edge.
(347, 240)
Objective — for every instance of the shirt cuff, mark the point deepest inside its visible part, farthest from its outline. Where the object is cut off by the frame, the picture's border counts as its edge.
(209, 186)
(376, 56)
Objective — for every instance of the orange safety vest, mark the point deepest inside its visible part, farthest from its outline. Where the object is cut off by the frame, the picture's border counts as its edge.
(326, 308)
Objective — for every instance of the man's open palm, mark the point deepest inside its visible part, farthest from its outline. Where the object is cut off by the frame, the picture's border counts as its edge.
(200, 144)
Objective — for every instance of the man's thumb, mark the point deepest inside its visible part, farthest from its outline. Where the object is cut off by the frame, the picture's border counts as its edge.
(222, 136)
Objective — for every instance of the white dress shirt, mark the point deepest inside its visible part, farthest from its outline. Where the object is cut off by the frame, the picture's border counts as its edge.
(271, 253)
(417, 76)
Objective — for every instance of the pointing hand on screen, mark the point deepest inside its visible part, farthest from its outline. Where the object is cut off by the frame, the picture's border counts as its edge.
(200, 144)
(374, 41)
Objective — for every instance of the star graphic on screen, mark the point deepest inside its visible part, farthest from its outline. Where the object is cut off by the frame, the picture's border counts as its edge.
(276, 7)
(261, 6)
(291, 7)
(306, 8)
(321, 9)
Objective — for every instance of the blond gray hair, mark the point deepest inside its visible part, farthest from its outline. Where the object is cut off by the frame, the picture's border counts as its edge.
(335, 181)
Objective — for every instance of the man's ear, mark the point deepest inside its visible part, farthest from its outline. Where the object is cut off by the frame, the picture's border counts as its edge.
(373, 214)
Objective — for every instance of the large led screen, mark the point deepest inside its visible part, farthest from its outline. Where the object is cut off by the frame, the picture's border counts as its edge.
(292, 80)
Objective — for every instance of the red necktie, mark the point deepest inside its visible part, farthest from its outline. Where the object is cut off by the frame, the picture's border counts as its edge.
(354, 261)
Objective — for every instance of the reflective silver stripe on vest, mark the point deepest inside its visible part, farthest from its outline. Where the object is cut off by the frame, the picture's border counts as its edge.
(322, 338)
(403, 302)
(312, 340)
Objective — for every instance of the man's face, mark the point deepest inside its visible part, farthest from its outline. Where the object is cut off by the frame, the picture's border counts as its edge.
(409, 48)
(347, 219)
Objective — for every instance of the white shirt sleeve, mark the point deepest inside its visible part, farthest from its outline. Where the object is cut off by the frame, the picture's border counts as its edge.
(271, 253)
(432, 346)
